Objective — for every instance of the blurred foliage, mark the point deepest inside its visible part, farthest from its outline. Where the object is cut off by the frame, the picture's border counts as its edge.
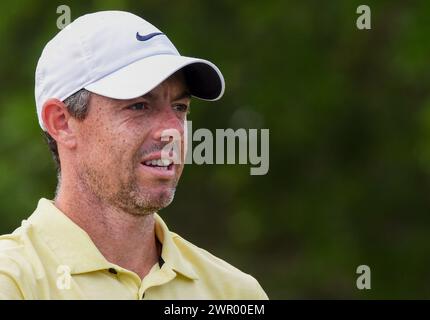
(349, 119)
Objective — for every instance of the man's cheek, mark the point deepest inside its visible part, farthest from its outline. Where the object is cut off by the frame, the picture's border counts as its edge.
(180, 169)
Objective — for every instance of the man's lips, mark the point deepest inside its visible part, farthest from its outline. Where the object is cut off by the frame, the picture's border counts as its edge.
(167, 159)
(160, 172)
(155, 165)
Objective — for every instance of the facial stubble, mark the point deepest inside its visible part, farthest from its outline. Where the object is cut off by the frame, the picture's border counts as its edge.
(128, 194)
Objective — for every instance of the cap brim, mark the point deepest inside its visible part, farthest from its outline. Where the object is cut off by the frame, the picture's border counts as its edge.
(203, 78)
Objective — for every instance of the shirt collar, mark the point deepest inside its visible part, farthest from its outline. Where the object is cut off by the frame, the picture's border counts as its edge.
(171, 253)
(75, 249)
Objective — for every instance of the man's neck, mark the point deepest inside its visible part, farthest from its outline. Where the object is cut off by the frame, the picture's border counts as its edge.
(124, 239)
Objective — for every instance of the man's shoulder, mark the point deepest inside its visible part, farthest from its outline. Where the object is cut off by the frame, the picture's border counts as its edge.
(198, 255)
(16, 268)
(13, 244)
(238, 284)
(15, 250)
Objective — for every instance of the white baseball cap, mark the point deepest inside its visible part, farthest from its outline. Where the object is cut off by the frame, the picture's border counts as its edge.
(118, 55)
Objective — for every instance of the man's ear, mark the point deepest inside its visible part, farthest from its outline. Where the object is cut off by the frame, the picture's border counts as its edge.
(56, 118)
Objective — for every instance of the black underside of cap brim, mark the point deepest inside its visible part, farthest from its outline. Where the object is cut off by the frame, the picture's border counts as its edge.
(203, 81)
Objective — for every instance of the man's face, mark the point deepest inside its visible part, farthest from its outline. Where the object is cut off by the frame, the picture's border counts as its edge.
(120, 140)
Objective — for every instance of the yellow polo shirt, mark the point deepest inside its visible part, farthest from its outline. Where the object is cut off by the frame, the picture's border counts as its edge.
(50, 257)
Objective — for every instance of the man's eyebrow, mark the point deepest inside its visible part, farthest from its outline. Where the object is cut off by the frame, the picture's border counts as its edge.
(182, 95)
(148, 95)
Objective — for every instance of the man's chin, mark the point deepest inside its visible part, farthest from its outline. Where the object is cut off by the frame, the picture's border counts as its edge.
(150, 203)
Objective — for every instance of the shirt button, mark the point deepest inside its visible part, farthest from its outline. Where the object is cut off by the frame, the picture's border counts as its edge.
(112, 270)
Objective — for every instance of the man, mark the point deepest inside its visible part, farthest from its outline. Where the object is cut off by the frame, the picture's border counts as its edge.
(108, 87)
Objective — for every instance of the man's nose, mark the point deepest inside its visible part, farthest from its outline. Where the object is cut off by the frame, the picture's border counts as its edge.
(168, 124)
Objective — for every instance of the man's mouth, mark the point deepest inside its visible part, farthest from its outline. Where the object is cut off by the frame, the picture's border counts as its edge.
(158, 166)
(161, 164)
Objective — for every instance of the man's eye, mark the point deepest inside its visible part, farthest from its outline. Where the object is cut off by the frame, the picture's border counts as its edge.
(138, 106)
(181, 108)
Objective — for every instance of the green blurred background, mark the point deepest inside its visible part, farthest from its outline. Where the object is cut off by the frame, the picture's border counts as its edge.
(349, 118)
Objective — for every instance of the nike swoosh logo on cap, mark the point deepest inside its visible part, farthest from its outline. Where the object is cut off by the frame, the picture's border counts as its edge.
(148, 36)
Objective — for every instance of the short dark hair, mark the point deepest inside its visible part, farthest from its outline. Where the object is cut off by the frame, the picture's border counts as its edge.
(77, 105)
